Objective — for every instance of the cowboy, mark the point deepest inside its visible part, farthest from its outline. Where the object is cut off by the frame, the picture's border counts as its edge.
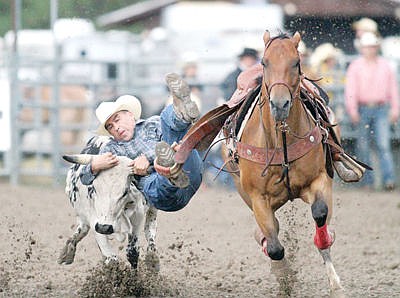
(151, 142)
(372, 102)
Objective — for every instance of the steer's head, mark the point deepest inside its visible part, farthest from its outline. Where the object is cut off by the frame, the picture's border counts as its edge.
(113, 196)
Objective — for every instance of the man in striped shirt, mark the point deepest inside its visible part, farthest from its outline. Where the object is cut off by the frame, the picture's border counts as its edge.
(148, 142)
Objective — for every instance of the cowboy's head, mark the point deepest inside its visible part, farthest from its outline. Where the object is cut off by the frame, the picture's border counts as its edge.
(118, 118)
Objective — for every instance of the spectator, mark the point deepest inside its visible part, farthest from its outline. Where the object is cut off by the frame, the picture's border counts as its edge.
(189, 73)
(325, 65)
(360, 27)
(190, 68)
(304, 54)
(372, 103)
(247, 58)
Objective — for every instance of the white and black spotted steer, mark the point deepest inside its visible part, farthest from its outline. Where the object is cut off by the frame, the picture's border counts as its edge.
(112, 206)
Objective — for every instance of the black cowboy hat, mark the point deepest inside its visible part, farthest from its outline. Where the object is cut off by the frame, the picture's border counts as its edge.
(248, 52)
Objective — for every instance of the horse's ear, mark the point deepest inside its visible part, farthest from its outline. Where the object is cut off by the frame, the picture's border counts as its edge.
(266, 37)
(296, 38)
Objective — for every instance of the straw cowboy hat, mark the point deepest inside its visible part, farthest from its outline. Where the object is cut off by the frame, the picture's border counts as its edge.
(365, 24)
(323, 52)
(123, 103)
(369, 39)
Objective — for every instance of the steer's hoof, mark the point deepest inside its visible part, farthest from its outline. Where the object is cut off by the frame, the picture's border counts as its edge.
(113, 259)
(67, 254)
(152, 261)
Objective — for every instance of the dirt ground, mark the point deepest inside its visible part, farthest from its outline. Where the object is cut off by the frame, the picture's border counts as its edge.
(207, 249)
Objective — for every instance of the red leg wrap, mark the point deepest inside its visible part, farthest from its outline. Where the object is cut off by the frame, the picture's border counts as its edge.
(322, 239)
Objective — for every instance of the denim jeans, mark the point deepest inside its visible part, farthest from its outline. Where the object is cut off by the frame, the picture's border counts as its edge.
(375, 125)
(157, 189)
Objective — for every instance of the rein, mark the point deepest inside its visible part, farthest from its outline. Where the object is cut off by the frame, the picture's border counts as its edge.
(284, 128)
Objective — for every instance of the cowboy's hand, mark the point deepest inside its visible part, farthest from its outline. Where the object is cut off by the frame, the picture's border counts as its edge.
(140, 165)
(393, 117)
(103, 162)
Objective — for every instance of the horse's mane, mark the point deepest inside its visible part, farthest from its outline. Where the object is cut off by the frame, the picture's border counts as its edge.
(281, 35)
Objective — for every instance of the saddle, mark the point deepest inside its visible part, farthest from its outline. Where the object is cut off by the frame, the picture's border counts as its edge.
(230, 117)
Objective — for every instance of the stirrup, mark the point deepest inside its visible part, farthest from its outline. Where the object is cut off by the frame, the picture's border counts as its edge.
(347, 169)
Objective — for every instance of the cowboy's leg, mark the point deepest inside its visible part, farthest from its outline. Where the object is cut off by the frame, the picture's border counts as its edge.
(363, 142)
(173, 128)
(163, 195)
(381, 130)
(158, 189)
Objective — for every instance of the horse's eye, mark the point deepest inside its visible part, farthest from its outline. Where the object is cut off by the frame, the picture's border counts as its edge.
(264, 63)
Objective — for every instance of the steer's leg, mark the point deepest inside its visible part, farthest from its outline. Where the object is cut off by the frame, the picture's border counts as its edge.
(105, 248)
(132, 250)
(150, 229)
(67, 254)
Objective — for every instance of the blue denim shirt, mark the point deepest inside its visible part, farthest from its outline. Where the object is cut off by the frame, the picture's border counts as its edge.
(146, 135)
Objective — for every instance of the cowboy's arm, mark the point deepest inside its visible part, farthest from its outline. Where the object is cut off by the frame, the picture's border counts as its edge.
(394, 96)
(351, 94)
(106, 159)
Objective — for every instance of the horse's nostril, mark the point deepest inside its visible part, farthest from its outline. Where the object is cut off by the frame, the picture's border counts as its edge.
(286, 105)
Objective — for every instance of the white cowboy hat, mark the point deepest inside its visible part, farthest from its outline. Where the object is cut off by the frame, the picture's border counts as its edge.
(323, 52)
(123, 103)
(369, 39)
(366, 24)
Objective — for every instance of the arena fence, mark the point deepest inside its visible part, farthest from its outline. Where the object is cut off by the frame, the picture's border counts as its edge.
(52, 105)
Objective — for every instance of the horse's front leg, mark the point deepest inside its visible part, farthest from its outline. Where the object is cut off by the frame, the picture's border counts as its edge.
(269, 227)
(320, 197)
(323, 240)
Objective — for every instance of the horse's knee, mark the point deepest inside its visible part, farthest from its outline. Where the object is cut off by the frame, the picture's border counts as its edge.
(319, 211)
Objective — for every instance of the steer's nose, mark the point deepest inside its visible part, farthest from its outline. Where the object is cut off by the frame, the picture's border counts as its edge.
(104, 229)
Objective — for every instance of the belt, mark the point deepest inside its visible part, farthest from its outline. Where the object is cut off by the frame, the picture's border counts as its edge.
(373, 104)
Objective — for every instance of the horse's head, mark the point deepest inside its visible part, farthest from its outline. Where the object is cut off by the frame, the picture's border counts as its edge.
(281, 75)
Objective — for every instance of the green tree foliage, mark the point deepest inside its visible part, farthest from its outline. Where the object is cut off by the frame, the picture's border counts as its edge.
(35, 14)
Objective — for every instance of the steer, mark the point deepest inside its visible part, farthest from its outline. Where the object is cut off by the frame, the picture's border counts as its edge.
(112, 206)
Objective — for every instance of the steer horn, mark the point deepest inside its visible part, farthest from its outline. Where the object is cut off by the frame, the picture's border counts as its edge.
(82, 159)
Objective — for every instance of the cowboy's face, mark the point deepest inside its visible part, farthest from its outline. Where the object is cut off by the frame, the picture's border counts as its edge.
(369, 51)
(121, 125)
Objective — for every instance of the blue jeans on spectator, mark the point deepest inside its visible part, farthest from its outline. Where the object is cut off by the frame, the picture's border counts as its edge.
(375, 125)
(157, 189)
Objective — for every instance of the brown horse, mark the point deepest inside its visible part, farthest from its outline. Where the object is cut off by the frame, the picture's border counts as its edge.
(281, 153)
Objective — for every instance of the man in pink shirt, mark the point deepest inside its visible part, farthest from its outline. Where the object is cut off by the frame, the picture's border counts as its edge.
(372, 102)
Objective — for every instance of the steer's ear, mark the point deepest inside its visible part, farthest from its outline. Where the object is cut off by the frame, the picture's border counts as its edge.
(82, 159)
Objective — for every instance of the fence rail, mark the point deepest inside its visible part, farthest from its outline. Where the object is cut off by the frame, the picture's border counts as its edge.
(53, 113)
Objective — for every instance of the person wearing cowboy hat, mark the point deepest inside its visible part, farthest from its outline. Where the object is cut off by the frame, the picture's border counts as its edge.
(247, 58)
(324, 63)
(170, 186)
(372, 102)
(360, 27)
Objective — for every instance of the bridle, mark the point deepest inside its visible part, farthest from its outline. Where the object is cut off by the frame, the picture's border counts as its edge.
(283, 126)
(268, 89)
